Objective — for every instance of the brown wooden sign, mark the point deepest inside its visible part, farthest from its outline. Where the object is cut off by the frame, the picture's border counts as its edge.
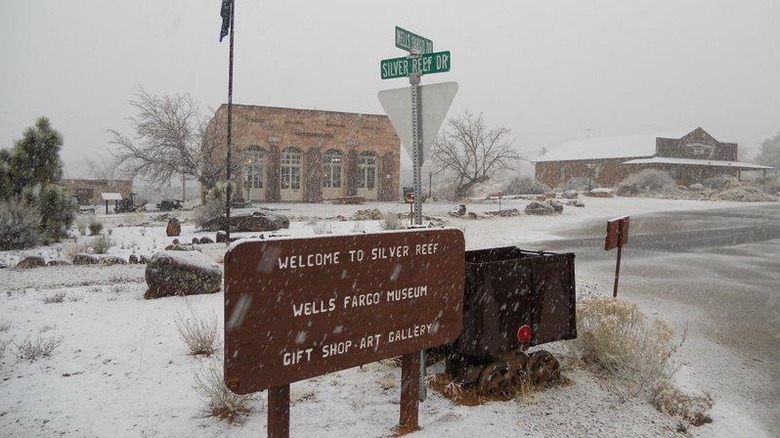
(298, 308)
(617, 233)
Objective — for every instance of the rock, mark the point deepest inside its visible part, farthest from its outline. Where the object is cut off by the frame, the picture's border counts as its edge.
(143, 259)
(57, 263)
(556, 205)
(173, 228)
(172, 273)
(458, 211)
(254, 222)
(97, 259)
(221, 237)
(368, 215)
(698, 187)
(133, 259)
(181, 247)
(472, 215)
(537, 208)
(570, 194)
(601, 193)
(504, 213)
(195, 241)
(31, 262)
(205, 239)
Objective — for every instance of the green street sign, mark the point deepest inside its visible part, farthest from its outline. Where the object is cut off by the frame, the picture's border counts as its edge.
(438, 62)
(411, 42)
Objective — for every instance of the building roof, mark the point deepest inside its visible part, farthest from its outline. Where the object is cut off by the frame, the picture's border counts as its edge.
(111, 196)
(636, 146)
(691, 161)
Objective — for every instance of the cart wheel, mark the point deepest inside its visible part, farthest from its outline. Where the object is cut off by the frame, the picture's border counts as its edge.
(543, 367)
(517, 361)
(495, 379)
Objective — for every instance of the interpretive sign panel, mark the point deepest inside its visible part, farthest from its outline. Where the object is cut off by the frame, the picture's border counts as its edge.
(299, 308)
(438, 62)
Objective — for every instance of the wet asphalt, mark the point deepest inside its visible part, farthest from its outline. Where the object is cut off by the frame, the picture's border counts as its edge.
(715, 272)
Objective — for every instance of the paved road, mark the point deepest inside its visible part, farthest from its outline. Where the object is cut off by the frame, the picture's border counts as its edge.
(717, 271)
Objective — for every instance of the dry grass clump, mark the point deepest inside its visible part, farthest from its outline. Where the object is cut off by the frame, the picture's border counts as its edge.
(56, 298)
(71, 249)
(616, 336)
(34, 349)
(391, 221)
(101, 244)
(200, 333)
(222, 402)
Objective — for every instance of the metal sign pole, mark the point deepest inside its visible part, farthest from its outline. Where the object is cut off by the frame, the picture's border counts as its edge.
(414, 80)
(619, 251)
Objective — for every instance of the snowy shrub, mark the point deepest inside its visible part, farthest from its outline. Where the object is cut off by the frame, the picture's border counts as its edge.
(42, 346)
(95, 226)
(617, 337)
(81, 225)
(648, 181)
(222, 402)
(525, 185)
(391, 221)
(58, 210)
(689, 409)
(201, 334)
(577, 183)
(744, 194)
(56, 298)
(212, 209)
(721, 182)
(18, 225)
(101, 244)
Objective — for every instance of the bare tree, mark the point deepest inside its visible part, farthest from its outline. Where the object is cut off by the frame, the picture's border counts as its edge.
(171, 141)
(101, 167)
(472, 152)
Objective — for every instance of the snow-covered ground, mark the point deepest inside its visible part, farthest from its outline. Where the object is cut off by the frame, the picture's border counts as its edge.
(122, 369)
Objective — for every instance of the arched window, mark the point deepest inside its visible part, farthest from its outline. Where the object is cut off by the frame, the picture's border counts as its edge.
(331, 168)
(291, 169)
(367, 170)
(255, 166)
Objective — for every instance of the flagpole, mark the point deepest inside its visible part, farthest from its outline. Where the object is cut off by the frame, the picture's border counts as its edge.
(229, 122)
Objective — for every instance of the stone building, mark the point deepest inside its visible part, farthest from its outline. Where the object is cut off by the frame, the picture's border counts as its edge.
(689, 156)
(87, 191)
(294, 155)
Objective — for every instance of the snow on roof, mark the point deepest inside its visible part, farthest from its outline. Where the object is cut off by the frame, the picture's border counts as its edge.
(111, 196)
(608, 147)
(691, 161)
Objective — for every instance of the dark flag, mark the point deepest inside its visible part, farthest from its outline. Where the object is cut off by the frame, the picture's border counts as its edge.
(226, 5)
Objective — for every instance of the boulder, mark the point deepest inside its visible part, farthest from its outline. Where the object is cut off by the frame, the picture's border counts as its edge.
(537, 208)
(173, 228)
(372, 214)
(601, 193)
(57, 263)
(31, 262)
(97, 259)
(181, 247)
(504, 213)
(172, 273)
(221, 236)
(556, 205)
(458, 211)
(133, 259)
(205, 239)
(254, 222)
(570, 194)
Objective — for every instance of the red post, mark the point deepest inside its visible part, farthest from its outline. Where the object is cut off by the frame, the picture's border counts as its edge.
(279, 412)
(619, 251)
(410, 393)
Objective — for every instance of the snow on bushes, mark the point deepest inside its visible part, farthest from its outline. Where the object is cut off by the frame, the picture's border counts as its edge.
(648, 181)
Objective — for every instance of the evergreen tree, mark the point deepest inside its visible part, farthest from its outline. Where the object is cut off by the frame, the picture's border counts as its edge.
(35, 159)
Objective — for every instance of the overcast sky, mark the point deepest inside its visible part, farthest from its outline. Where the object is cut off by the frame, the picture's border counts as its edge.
(548, 70)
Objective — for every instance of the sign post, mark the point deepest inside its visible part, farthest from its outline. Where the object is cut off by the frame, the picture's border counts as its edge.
(617, 236)
(299, 308)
